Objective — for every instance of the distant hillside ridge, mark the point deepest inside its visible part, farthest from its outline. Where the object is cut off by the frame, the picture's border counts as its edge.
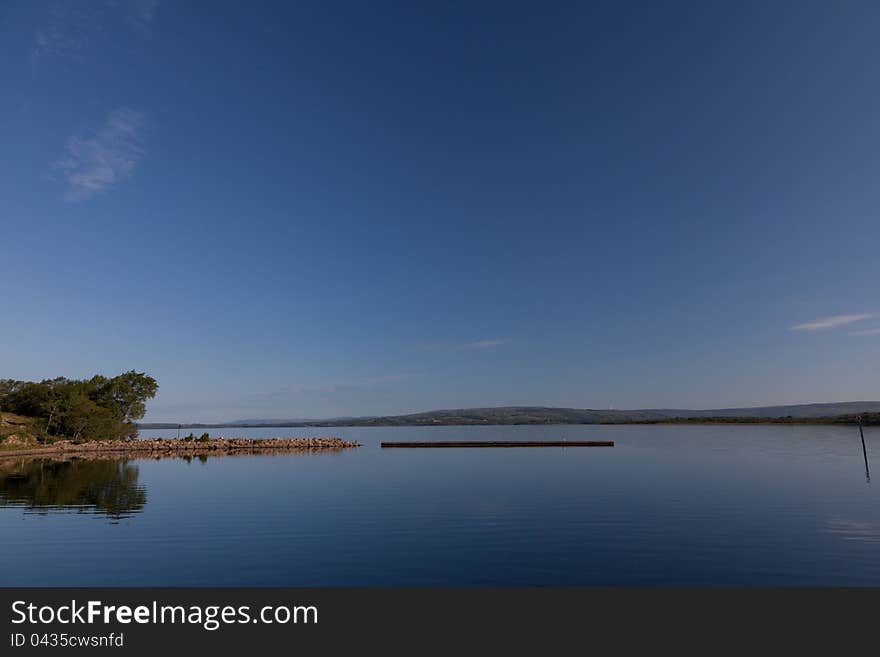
(509, 415)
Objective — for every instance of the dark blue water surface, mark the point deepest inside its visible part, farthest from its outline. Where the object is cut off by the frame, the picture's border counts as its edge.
(668, 505)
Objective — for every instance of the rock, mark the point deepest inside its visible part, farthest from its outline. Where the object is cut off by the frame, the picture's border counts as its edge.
(173, 446)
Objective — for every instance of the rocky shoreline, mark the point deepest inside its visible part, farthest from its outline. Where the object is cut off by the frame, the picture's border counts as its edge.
(159, 447)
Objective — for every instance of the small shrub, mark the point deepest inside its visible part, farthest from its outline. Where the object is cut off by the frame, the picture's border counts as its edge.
(204, 438)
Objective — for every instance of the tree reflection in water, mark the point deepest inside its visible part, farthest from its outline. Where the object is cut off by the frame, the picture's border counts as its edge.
(106, 487)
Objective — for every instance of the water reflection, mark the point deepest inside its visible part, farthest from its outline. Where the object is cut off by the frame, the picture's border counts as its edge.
(854, 530)
(105, 487)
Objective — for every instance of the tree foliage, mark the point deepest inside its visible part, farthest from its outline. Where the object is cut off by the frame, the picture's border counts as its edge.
(99, 408)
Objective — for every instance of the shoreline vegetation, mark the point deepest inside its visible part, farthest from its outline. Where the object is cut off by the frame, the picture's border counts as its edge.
(81, 410)
(98, 417)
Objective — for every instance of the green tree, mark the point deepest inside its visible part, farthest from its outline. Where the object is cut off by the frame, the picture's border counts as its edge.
(91, 409)
(126, 395)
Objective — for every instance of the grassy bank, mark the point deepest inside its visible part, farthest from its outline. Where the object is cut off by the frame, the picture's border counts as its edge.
(20, 432)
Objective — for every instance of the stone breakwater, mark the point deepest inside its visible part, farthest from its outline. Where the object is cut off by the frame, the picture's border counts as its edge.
(158, 447)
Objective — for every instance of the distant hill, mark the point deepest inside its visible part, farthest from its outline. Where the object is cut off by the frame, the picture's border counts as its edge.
(508, 415)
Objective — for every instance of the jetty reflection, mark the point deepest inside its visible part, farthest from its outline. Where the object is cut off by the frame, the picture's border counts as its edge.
(105, 487)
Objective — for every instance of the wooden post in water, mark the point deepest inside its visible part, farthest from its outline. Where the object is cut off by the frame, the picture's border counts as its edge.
(864, 450)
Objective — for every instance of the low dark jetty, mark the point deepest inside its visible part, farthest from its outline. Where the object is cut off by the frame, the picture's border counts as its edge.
(505, 443)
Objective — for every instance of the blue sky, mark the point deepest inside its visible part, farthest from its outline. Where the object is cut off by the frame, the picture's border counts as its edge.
(322, 209)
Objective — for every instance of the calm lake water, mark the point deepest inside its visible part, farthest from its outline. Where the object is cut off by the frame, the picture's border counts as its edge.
(668, 505)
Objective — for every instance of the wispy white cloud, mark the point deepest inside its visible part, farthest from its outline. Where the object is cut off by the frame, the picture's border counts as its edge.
(70, 25)
(389, 378)
(67, 28)
(830, 322)
(484, 344)
(449, 345)
(92, 164)
(139, 13)
(874, 331)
